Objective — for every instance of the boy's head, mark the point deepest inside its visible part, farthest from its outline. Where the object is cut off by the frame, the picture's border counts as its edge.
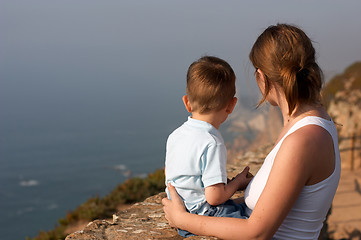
(210, 84)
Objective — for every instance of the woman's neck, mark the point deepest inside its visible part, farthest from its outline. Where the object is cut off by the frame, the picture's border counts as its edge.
(304, 110)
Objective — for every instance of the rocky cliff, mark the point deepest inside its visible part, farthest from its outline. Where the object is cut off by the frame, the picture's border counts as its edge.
(145, 220)
(252, 128)
(343, 98)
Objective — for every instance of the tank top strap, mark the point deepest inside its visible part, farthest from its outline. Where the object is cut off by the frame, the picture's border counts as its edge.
(313, 120)
(328, 125)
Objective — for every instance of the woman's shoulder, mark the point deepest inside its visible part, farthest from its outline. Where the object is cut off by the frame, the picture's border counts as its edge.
(311, 148)
(310, 130)
(306, 143)
(308, 138)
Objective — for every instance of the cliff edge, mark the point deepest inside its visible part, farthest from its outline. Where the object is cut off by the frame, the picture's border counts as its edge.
(145, 220)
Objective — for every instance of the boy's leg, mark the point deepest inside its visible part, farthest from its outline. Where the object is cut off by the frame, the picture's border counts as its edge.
(231, 209)
(227, 209)
(185, 233)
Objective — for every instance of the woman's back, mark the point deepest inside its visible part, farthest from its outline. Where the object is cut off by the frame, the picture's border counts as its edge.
(305, 219)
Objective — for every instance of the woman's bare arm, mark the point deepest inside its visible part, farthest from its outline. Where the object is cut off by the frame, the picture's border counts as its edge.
(290, 172)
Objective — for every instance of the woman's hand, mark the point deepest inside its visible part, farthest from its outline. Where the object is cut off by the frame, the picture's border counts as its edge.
(173, 208)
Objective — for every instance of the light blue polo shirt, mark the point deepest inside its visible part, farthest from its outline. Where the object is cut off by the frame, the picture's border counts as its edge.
(196, 158)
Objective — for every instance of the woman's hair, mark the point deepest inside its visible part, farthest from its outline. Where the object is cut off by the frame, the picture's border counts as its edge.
(285, 55)
(210, 84)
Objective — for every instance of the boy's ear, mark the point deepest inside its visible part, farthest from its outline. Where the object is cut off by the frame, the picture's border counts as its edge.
(232, 103)
(187, 104)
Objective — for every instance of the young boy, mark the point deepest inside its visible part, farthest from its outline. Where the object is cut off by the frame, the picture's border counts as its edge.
(196, 155)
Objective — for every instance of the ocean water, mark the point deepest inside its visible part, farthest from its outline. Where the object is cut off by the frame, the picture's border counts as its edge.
(54, 158)
(60, 146)
(88, 95)
(75, 123)
(44, 175)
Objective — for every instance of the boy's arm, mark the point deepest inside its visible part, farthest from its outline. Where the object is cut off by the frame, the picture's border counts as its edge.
(219, 193)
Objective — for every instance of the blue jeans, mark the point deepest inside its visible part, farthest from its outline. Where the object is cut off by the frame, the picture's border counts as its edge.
(226, 209)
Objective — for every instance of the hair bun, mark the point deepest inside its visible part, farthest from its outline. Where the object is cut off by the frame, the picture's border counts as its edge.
(302, 74)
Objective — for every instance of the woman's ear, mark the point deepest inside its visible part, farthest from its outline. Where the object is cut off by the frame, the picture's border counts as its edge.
(269, 89)
(261, 80)
(187, 104)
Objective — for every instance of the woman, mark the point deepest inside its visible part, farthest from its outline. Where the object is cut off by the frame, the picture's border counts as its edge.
(290, 195)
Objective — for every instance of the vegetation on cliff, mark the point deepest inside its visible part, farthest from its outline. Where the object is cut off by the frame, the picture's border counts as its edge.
(337, 83)
(131, 191)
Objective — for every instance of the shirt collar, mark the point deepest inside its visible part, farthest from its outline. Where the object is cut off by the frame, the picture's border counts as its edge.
(203, 125)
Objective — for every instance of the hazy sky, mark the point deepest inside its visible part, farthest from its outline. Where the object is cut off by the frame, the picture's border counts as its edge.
(51, 50)
(149, 37)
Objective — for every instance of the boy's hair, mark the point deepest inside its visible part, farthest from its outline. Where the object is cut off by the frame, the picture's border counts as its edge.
(210, 84)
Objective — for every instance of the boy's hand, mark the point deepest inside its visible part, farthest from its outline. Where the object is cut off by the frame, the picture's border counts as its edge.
(242, 179)
(219, 193)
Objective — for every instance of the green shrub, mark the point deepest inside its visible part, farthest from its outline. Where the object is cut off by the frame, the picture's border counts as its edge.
(131, 191)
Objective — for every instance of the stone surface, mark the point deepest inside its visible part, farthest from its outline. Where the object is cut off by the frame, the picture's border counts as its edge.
(145, 220)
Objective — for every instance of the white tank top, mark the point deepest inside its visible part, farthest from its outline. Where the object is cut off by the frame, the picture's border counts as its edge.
(305, 219)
